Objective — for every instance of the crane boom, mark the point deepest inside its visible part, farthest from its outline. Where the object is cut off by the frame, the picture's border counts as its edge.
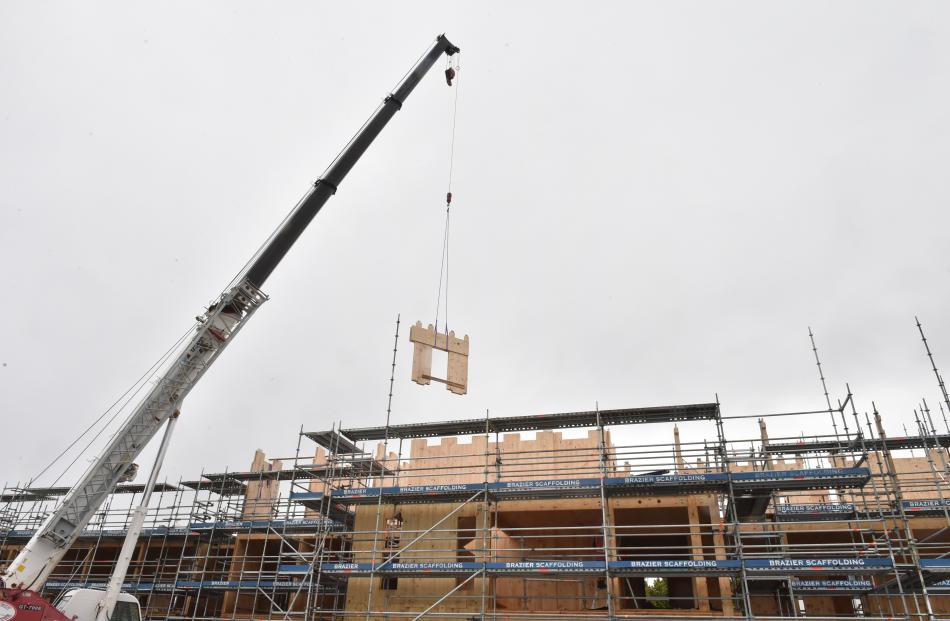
(326, 186)
(216, 328)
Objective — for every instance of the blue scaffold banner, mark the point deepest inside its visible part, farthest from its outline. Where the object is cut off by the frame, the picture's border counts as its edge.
(346, 568)
(404, 568)
(545, 484)
(928, 505)
(161, 531)
(57, 585)
(517, 567)
(426, 568)
(667, 480)
(513, 567)
(711, 480)
(810, 473)
(822, 508)
(645, 567)
(212, 585)
(836, 565)
(256, 524)
(183, 585)
(433, 490)
(936, 565)
(666, 565)
(831, 586)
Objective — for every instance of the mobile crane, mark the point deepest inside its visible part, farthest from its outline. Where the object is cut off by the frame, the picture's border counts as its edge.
(216, 328)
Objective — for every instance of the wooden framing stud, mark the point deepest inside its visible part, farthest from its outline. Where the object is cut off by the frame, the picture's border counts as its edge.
(425, 340)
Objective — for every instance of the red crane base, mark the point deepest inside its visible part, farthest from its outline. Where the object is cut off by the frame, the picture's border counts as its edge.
(22, 605)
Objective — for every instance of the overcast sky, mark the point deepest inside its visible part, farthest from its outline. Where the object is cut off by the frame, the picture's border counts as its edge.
(653, 202)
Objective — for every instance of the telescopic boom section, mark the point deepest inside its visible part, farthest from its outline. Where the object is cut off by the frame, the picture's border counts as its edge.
(326, 186)
(216, 328)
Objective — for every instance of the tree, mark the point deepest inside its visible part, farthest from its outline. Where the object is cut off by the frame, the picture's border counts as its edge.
(658, 593)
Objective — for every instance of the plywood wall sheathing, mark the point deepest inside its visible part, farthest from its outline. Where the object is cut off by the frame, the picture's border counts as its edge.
(261, 495)
(424, 341)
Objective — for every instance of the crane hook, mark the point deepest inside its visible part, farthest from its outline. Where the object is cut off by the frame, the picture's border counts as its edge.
(449, 75)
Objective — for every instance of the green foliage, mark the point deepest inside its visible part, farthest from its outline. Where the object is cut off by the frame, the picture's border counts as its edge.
(658, 593)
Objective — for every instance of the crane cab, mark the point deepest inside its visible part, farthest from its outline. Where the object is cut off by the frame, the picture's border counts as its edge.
(83, 605)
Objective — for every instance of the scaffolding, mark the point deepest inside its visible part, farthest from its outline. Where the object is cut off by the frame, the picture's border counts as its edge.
(387, 523)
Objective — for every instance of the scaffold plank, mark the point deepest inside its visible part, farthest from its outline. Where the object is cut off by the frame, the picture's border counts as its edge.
(223, 487)
(508, 424)
(357, 468)
(38, 494)
(333, 441)
(857, 443)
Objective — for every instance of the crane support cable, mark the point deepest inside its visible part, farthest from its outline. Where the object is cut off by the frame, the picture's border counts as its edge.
(128, 395)
(451, 72)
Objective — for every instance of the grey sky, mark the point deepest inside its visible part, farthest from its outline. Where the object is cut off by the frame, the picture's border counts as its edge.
(653, 201)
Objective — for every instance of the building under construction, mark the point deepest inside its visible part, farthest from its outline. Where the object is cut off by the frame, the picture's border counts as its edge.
(471, 520)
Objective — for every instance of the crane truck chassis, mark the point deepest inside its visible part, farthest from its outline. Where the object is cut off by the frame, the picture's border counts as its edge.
(217, 326)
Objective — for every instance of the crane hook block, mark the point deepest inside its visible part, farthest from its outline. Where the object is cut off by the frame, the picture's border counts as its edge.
(449, 75)
(427, 339)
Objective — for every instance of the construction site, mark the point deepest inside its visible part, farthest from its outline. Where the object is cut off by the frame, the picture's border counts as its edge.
(683, 511)
(471, 520)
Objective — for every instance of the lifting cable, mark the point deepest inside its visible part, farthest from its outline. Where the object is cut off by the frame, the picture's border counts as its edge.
(451, 72)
